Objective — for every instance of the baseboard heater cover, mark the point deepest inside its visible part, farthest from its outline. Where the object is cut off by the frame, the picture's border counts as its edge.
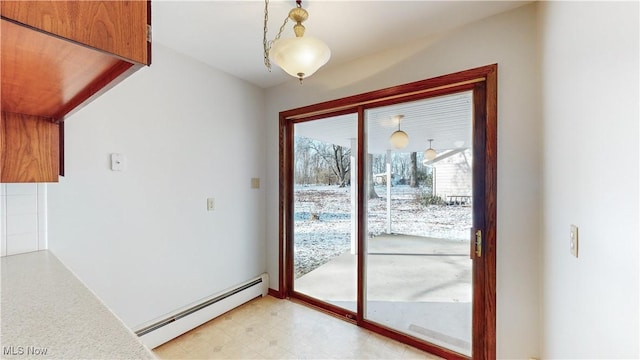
(159, 331)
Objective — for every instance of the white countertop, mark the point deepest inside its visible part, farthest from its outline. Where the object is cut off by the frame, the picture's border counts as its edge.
(47, 313)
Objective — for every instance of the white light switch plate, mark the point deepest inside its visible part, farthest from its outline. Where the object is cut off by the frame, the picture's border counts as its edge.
(117, 162)
(211, 204)
(573, 240)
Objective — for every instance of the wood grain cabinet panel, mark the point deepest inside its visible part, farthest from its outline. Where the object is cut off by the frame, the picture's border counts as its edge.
(55, 57)
(29, 149)
(117, 27)
(41, 74)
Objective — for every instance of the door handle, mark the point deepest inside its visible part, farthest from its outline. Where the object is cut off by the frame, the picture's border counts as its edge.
(476, 243)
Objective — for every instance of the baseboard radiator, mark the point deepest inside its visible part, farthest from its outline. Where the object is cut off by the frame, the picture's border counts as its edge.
(159, 331)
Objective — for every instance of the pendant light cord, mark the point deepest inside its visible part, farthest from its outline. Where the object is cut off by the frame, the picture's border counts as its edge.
(267, 44)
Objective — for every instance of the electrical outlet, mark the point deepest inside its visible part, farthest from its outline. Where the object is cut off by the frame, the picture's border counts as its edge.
(573, 240)
(255, 183)
(211, 204)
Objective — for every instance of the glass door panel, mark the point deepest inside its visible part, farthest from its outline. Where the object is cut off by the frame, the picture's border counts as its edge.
(325, 220)
(418, 273)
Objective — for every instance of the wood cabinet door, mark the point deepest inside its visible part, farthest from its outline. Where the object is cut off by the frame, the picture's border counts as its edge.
(29, 149)
(117, 27)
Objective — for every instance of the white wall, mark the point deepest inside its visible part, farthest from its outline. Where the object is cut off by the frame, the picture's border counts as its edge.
(590, 172)
(142, 239)
(23, 218)
(510, 40)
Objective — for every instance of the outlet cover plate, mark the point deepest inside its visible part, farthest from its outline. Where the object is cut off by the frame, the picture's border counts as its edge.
(573, 240)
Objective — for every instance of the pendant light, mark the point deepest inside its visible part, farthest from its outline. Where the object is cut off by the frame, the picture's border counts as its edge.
(399, 139)
(430, 153)
(300, 56)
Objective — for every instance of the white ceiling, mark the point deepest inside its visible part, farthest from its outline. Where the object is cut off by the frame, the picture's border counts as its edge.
(228, 34)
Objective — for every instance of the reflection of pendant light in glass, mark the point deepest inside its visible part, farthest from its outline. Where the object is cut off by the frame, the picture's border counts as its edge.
(399, 139)
(430, 153)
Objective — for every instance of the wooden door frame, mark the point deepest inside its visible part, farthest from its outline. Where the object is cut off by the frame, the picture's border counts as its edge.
(482, 80)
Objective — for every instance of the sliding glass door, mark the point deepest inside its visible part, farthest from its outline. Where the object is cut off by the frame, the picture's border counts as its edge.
(388, 211)
(419, 215)
(324, 204)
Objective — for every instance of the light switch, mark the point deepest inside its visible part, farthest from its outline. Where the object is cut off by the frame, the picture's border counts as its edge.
(117, 162)
(573, 240)
(255, 183)
(211, 204)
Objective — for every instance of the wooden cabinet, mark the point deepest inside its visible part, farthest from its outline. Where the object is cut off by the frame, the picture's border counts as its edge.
(31, 148)
(56, 57)
(116, 27)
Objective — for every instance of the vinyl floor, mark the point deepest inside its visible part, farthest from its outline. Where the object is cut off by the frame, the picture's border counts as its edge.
(271, 328)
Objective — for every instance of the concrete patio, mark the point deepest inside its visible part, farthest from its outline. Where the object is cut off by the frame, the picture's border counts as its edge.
(417, 285)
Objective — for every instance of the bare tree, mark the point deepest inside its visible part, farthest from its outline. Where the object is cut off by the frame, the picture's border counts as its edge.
(400, 165)
(378, 163)
(341, 164)
(303, 157)
(338, 159)
(372, 189)
(413, 170)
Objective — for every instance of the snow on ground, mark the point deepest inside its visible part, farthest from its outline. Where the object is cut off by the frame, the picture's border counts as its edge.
(323, 221)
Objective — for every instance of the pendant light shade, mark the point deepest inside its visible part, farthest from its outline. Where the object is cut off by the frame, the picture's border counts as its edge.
(300, 56)
(430, 153)
(399, 139)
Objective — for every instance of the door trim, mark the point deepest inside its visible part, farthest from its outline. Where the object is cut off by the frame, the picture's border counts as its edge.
(482, 79)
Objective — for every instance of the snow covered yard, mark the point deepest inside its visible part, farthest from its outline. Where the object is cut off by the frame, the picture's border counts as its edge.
(323, 221)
